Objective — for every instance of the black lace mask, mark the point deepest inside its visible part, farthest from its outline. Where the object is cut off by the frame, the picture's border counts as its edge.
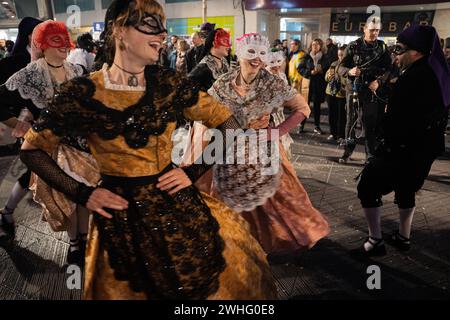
(151, 24)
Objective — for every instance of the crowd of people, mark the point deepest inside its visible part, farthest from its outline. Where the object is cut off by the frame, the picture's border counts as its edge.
(97, 122)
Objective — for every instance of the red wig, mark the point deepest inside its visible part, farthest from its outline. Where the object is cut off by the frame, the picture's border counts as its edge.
(52, 34)
(222, 38)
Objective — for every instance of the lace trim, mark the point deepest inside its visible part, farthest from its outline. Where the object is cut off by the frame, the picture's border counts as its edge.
(166, 96)
(212, 65)
(35, 83)
(117, 87)
(268, 95)
(241, 193)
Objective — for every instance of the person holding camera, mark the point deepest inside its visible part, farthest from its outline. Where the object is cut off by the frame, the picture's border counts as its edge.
(366, 64)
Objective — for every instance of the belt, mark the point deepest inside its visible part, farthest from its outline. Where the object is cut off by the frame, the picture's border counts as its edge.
(114, 181)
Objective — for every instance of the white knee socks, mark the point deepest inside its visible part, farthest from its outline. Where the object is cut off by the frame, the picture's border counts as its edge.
(406, 217)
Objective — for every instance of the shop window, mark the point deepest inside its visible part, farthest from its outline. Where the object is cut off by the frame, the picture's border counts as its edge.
(62, 5)
(24, 8)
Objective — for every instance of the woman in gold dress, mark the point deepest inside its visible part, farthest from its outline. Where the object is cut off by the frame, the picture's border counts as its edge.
(154, 235)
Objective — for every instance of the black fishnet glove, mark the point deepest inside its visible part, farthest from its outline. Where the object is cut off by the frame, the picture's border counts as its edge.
(196, 170)
(45, 167)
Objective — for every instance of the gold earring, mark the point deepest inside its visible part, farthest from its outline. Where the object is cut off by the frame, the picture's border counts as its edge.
(121, 44)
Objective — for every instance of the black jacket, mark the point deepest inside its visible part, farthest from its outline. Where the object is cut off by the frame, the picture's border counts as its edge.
(12, 64)
(11, 103)
(317, 85)
(202, 75)
(414, 120)
(374, 60)
(193, 57)
(332, 54)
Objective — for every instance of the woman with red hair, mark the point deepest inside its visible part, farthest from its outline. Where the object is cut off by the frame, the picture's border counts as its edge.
(27, 92)
(211, 67)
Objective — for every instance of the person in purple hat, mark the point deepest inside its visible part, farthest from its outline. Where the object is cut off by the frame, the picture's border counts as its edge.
(206, 28)
(413, 135)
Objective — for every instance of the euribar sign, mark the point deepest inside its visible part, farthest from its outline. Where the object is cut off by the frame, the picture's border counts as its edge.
(393, 23)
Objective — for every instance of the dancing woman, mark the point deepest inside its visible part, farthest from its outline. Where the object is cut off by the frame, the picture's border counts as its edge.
(275, 63)
(154, 236)
(32, 87)
(277, 206)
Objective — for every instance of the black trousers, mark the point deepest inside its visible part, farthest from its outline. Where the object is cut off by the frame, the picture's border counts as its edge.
(316, 103)
(384, 174)
(370, 114)
(337, 116)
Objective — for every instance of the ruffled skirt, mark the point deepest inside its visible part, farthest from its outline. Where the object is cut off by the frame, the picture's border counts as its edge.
(189, 246)
(288, 220)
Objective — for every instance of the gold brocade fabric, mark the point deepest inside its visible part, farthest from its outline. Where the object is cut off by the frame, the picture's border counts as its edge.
(115, 157)
(246, 276)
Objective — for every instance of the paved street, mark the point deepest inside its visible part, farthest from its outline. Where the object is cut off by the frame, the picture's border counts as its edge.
(32, 267)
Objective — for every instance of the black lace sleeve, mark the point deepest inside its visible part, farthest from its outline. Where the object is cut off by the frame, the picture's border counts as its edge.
(45, 167)
(199, 168)
(203, 76)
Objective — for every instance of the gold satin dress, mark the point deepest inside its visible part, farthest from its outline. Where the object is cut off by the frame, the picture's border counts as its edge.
(246, 274)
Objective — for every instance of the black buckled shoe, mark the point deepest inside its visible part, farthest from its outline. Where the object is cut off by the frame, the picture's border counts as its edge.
(400, 242)
(74, 256)
(374, 248)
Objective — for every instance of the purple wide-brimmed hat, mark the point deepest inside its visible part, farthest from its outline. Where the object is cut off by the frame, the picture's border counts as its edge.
(426, 40)
(207, 27)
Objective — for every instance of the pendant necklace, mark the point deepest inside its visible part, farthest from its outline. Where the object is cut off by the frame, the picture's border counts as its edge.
(245, 84)
(132, 79)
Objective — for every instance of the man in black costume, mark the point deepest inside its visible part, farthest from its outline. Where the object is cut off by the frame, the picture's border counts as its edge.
(413, 135)
(366, 64)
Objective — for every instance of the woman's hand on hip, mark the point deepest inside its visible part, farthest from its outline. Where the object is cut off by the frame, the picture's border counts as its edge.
(260, 123)
(173, 181)
(103, 198)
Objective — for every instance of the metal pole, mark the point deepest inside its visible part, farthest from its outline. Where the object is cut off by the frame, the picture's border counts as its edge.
(204, 15)
(49, 9)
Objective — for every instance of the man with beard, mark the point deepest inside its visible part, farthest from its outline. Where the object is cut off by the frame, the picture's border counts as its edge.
(413, 135)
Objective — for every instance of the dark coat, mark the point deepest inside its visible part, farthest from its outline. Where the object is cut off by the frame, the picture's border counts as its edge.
(11, 103)
(193, 57)
(19, 56)
(12, 64)
(331, 54)
(317, 83)
(414, 120)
